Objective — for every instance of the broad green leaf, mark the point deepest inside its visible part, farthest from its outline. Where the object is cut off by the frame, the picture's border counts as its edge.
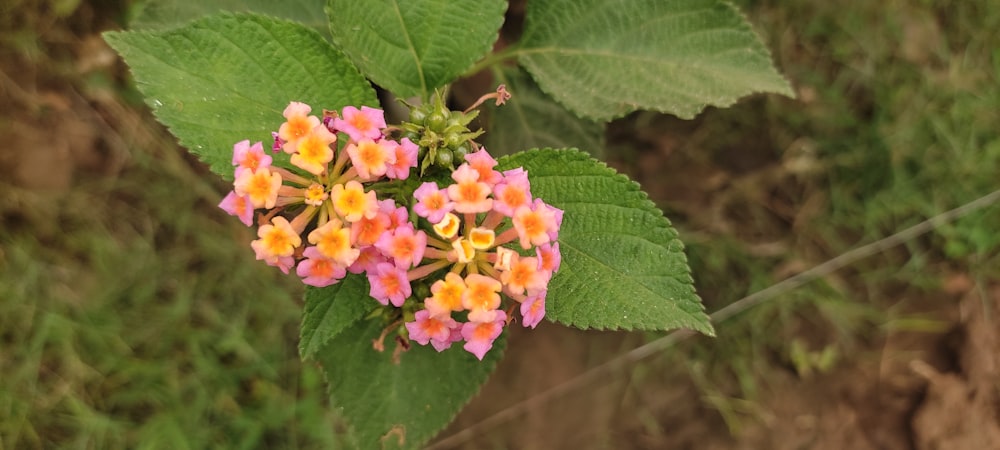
(158, 14)
(410, 401)
(226, 78)
(411, 47)
(606, 58)
(531, 119)
(329, 310)
(623, 266)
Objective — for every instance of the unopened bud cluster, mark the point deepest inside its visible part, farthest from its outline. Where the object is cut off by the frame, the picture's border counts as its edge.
(443, 135)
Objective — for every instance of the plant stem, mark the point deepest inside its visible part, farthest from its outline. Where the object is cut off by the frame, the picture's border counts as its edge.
(493, 59)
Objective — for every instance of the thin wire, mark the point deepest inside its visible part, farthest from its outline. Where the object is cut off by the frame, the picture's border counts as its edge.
(659, 345)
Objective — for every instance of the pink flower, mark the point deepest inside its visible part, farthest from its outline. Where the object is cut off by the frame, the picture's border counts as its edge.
(479, 336)
(239, 206)
(481, 297)
(277, 239)
(533, 310)
(366, 123)
(260, 185)
(398, 215)
(524, 276)
(512, 193)
(446, 295)
(249, 158)
(549, 257)
(484, 163)
(333, 241)
(367, 230)
(312, 151)
(389, 284)
(352, 202)
(558, 214)
(298, 124)
(277, 243)
(406, 157)
(370, 158)
(456, 335)
(535, 225)
(283, 263)
(318, 270)
(432, 203)
(469, 194)
(438, 330)
(367, 261)
(403, 246)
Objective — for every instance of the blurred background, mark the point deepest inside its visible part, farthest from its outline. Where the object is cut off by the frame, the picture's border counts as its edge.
(132, 314)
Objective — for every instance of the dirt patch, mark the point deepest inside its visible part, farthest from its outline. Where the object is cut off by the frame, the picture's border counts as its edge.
(961, 409)
(918, 390)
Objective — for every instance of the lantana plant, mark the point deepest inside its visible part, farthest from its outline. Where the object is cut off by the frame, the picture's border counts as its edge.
(423, 238)
(440, 251)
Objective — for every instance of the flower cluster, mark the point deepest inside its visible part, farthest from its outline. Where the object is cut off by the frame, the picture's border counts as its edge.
(473, 220)
(323, 193)
(469, 245)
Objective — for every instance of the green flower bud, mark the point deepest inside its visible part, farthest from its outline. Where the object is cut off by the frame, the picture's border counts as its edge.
(421, 291)
(453, 140)
(461, 151)
(436, 121)
(418, 115)
(445, 158)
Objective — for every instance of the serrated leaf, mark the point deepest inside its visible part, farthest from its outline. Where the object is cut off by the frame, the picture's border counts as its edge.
(606, 58)
(623, 266)
(329, 310)
(159, 14)
(226, 78)
(531, 119)
(402, 405)
(411, 47)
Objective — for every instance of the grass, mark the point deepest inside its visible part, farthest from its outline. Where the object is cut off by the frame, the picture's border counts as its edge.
(131, 320)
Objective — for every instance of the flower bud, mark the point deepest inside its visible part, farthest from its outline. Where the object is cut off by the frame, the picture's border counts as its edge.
(461, 150)
(417, 115)
(452, 140)
(421, 290)
(436, 121)
(445, 158)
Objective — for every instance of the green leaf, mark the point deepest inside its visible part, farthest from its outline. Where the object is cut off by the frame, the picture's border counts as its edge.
(329, 310)
(531, 119)
(606, 58)
(226, 78)
(623, 266)
(386, 402)
(411, 47)
(159, 14)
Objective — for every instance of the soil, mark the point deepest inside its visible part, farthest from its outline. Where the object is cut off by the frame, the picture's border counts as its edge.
(904, 390)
